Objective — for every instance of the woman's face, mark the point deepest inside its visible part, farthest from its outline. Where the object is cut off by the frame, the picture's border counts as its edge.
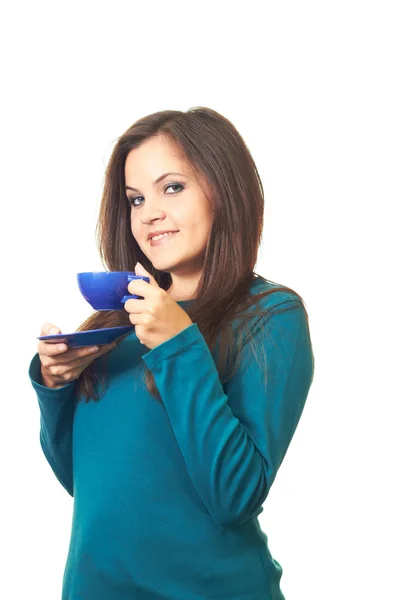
(175, 203)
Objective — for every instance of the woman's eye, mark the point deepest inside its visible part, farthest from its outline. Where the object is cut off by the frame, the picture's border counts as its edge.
(132, 201)
(172, 185)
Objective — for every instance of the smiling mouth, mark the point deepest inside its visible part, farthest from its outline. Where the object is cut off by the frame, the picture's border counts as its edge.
(158, 241)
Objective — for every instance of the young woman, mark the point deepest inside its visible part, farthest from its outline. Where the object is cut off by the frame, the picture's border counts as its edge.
(169, 440)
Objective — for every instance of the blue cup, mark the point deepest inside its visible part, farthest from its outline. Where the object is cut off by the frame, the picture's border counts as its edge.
(107, 290)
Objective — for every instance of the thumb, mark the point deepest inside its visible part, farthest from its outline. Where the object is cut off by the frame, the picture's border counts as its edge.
(140, 270)
(49, 329)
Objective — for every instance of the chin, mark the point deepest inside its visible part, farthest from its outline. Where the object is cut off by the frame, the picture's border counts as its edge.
(163, 265)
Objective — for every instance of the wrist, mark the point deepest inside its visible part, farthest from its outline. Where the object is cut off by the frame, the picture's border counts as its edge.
(46, 380)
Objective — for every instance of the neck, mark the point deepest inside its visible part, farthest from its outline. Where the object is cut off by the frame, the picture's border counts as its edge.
(179, 295)
(184, 281)
(183, 291)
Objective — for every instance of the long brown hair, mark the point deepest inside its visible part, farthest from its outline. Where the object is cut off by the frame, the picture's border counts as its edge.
(217, 152)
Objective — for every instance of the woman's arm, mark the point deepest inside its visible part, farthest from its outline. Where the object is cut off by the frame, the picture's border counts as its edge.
(234, 438)
(56, 424)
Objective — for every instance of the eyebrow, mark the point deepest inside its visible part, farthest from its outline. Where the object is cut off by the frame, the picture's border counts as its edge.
(160, 178)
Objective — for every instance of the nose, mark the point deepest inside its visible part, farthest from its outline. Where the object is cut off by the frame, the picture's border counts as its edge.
(151, 212)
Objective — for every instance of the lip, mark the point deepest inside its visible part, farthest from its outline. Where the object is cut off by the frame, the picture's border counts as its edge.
(162, 241)
(154, 233)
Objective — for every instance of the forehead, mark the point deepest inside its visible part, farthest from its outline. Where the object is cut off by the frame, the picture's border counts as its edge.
(153, 157)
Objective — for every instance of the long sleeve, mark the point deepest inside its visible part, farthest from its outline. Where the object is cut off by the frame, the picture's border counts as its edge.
(56, 424)
(233, 438)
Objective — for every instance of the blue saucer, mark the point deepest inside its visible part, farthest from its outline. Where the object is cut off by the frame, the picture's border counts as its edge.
(93, 337)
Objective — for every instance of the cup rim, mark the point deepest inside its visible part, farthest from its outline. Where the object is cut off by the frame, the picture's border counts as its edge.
(106, 273)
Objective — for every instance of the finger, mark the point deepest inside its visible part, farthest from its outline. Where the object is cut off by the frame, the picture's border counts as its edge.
(75, 353)
(108, 347)
(136, 307)
(49, 329)
(51, 348)
(53, 355)
(77, 361)
(72, 355)
(144, 289)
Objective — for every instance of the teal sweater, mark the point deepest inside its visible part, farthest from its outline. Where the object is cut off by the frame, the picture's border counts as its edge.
(167, 494)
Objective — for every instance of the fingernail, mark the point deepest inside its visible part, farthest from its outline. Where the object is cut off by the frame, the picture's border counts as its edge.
(53, 330)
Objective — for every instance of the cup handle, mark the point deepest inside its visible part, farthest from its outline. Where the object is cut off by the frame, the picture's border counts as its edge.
(133, 296)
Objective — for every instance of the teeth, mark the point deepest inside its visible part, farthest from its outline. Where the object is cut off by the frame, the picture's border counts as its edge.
(158, 237)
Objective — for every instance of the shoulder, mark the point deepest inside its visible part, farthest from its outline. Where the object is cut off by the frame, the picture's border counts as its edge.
(270, 307)
(271, 296)
(274, 310)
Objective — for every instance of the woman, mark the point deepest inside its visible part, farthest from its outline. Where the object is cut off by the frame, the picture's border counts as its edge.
(170, 462)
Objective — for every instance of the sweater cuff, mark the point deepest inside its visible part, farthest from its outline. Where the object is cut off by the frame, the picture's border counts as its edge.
(184, 338)
(36, 378)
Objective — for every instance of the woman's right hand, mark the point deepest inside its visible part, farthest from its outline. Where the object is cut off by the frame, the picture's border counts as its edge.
(60, 367)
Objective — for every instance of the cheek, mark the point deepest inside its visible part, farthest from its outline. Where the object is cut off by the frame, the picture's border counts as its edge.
(199, 224)
(135, 230)
(197, 236)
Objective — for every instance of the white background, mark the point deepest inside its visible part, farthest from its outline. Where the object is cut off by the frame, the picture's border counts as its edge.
(322, 93)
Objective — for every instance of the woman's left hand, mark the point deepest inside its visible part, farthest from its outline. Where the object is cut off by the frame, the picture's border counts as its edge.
(157, 317)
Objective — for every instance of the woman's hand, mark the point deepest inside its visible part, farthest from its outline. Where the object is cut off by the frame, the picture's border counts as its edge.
(157, 317)
(60, 367)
